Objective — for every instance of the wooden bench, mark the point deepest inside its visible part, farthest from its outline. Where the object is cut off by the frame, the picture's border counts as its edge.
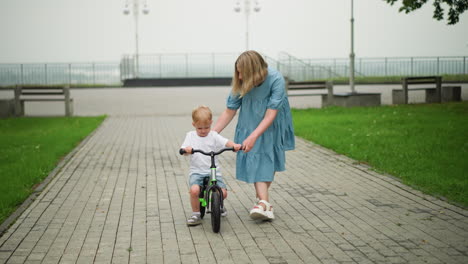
(434, 94)
(451, 94)
(357, 99)
(309, 88)
(42, 94)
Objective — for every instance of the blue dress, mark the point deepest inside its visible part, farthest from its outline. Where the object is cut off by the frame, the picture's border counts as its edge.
(268, 153)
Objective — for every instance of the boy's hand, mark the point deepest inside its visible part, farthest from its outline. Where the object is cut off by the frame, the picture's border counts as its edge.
(237, 147)
(188, 151)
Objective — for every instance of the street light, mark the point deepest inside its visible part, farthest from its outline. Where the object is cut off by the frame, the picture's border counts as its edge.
(351, 55)
(247, 11)
(136, 9)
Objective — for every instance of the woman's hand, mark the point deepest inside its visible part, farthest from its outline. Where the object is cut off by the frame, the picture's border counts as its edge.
(249, 143)
(268, 119)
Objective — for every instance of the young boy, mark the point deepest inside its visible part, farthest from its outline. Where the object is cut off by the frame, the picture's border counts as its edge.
(204, 139)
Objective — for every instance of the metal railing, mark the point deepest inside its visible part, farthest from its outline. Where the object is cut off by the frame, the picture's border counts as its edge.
(102, 73)
(179, 65)
(397, 66)
(300, 70)
(219, 65)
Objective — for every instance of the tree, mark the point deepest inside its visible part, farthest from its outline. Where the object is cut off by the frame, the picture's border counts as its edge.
(456, 8)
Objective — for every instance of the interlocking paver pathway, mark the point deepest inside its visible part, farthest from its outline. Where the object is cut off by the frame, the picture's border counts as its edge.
(123, 198)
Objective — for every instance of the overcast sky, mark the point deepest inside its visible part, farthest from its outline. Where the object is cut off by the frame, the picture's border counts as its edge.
(97, 30)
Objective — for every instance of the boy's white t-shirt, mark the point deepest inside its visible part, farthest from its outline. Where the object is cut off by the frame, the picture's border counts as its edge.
(200, 163)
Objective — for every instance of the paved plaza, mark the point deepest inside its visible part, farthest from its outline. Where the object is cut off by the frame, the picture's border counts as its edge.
(122, 197)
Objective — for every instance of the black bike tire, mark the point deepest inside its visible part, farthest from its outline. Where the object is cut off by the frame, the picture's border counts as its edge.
(215, 205)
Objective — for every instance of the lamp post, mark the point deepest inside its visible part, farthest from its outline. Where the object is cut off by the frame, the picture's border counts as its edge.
(135, 11)
(247, 10)
(351, 55)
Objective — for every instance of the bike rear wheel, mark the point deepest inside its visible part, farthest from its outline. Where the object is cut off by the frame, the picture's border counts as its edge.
(215, 205)
(202, 210)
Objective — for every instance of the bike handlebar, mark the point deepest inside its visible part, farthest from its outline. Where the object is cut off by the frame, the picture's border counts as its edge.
(182, 151)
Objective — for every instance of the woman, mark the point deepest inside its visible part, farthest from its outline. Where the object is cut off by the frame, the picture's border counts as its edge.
(264, 126)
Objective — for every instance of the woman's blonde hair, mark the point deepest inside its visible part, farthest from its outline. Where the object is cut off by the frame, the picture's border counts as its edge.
(253, 69)
(201, 114)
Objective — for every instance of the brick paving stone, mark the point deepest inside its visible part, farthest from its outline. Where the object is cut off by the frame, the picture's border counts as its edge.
(123, 198)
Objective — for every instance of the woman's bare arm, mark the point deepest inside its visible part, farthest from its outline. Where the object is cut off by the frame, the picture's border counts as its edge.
(266, 122)
(224, 119)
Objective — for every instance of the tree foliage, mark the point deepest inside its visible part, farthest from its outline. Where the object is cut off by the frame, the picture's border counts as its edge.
(455, 8)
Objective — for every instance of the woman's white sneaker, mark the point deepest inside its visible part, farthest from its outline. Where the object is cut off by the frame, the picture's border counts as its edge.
(259, 213)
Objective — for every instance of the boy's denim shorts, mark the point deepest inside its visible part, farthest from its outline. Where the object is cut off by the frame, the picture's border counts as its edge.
(197, 178)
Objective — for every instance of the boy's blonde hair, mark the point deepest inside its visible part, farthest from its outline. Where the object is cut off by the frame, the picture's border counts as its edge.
(253, 69)
(201, 114)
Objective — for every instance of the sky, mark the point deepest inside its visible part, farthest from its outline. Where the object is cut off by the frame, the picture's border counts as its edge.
(47, 31)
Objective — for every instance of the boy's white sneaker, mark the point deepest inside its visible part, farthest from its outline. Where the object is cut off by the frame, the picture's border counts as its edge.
(223, 212)
(194, 220)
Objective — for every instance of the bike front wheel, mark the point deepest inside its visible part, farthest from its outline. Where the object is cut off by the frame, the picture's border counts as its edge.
(215, 205)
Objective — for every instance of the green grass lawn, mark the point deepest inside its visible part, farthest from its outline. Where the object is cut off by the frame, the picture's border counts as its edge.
(425, 145)
(32, 147)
